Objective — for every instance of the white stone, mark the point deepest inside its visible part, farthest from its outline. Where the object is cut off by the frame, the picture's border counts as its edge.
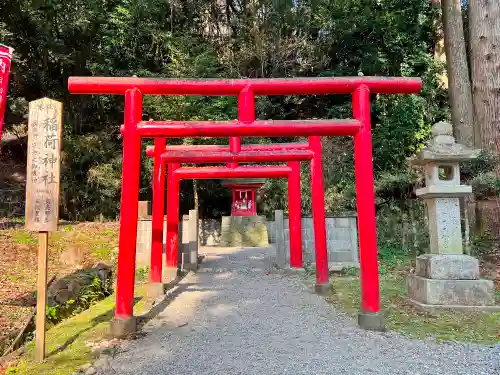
(442, 128)
(441, 191)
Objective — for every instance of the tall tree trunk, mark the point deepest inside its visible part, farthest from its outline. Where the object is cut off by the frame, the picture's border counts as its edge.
(484, 34)
(459, 86)
(438, 50)
(195, 194)
(484, 26)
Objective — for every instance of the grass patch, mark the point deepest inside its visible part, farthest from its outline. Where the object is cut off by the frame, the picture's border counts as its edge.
(103, 251)
(142, 273)
(400, 317)
(66, 342)
(96, 242)
(22, 237)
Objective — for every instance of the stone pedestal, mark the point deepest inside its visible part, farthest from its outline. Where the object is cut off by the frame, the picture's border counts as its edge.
(244, 231)
(281, 250)
(449, 282)
(123, 328)
(189, 241)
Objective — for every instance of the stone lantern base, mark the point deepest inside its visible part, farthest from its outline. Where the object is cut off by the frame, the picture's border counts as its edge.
(444, 282)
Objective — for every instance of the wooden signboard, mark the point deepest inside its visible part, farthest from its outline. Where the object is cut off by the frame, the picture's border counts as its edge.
(42, 193)
(44, 152)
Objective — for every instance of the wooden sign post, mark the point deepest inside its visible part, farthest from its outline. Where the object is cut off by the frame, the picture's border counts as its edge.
(42, 193)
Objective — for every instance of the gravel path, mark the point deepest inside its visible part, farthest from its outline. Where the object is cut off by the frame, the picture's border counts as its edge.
(238, 318)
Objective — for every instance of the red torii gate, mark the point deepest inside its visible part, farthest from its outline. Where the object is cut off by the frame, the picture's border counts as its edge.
(174, 155)
(134, 129)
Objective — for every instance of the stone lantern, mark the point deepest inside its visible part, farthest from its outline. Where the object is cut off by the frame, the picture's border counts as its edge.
(446, 279)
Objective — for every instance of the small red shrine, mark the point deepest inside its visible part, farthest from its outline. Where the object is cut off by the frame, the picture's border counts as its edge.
(244, 192)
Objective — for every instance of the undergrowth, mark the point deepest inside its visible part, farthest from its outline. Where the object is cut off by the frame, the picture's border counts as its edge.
(89, 295)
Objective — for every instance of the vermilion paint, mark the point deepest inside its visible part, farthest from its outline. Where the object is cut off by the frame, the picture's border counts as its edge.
(238, 172)
(258, 128)
(158, 219)
(176, 174)
(200, 157)
(216, 148)
(134, 129)
(295, 215)
(172, 258)
(246, 115)
(129, 205)
(318, 211)
(365, 202)
(5, 60)
(284, 152)
(232, 87)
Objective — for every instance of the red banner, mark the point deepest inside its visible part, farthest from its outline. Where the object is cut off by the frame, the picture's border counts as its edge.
(5, 58)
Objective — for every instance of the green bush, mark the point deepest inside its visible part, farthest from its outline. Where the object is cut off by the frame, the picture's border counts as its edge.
(483, 243)
(486, 185)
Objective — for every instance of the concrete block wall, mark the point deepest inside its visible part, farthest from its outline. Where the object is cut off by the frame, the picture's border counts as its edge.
(342, 239)
(271, 231)
(188, 241)
(143, 244)
(188, 247)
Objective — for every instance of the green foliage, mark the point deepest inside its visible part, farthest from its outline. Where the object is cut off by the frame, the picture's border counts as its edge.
(170, 39)
(22, 237)
(395, 185)
(486, 185)
(350, 271)
(92, 325)
(479, 173)
(483, 243)
(401, 228)
(103, 252)
(391, 258)
(141, 274)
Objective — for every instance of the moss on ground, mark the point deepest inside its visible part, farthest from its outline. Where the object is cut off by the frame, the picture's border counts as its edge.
(400, 317)
(96, 242)
(67, 342)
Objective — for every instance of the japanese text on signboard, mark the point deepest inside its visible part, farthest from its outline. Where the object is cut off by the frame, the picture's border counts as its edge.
(44, 145)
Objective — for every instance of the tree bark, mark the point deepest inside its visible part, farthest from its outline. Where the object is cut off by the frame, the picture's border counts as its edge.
(195, 194)
(484, 34)
(459, 86)
(484, 26)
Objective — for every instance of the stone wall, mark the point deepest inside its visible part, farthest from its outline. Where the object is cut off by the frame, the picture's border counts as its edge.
(342, 236)
(143, 247)
(210, 232)
(188, 241)
(342, 239)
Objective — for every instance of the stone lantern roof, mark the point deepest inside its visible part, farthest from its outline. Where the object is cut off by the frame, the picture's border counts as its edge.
(441, 160)
(442, 147)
